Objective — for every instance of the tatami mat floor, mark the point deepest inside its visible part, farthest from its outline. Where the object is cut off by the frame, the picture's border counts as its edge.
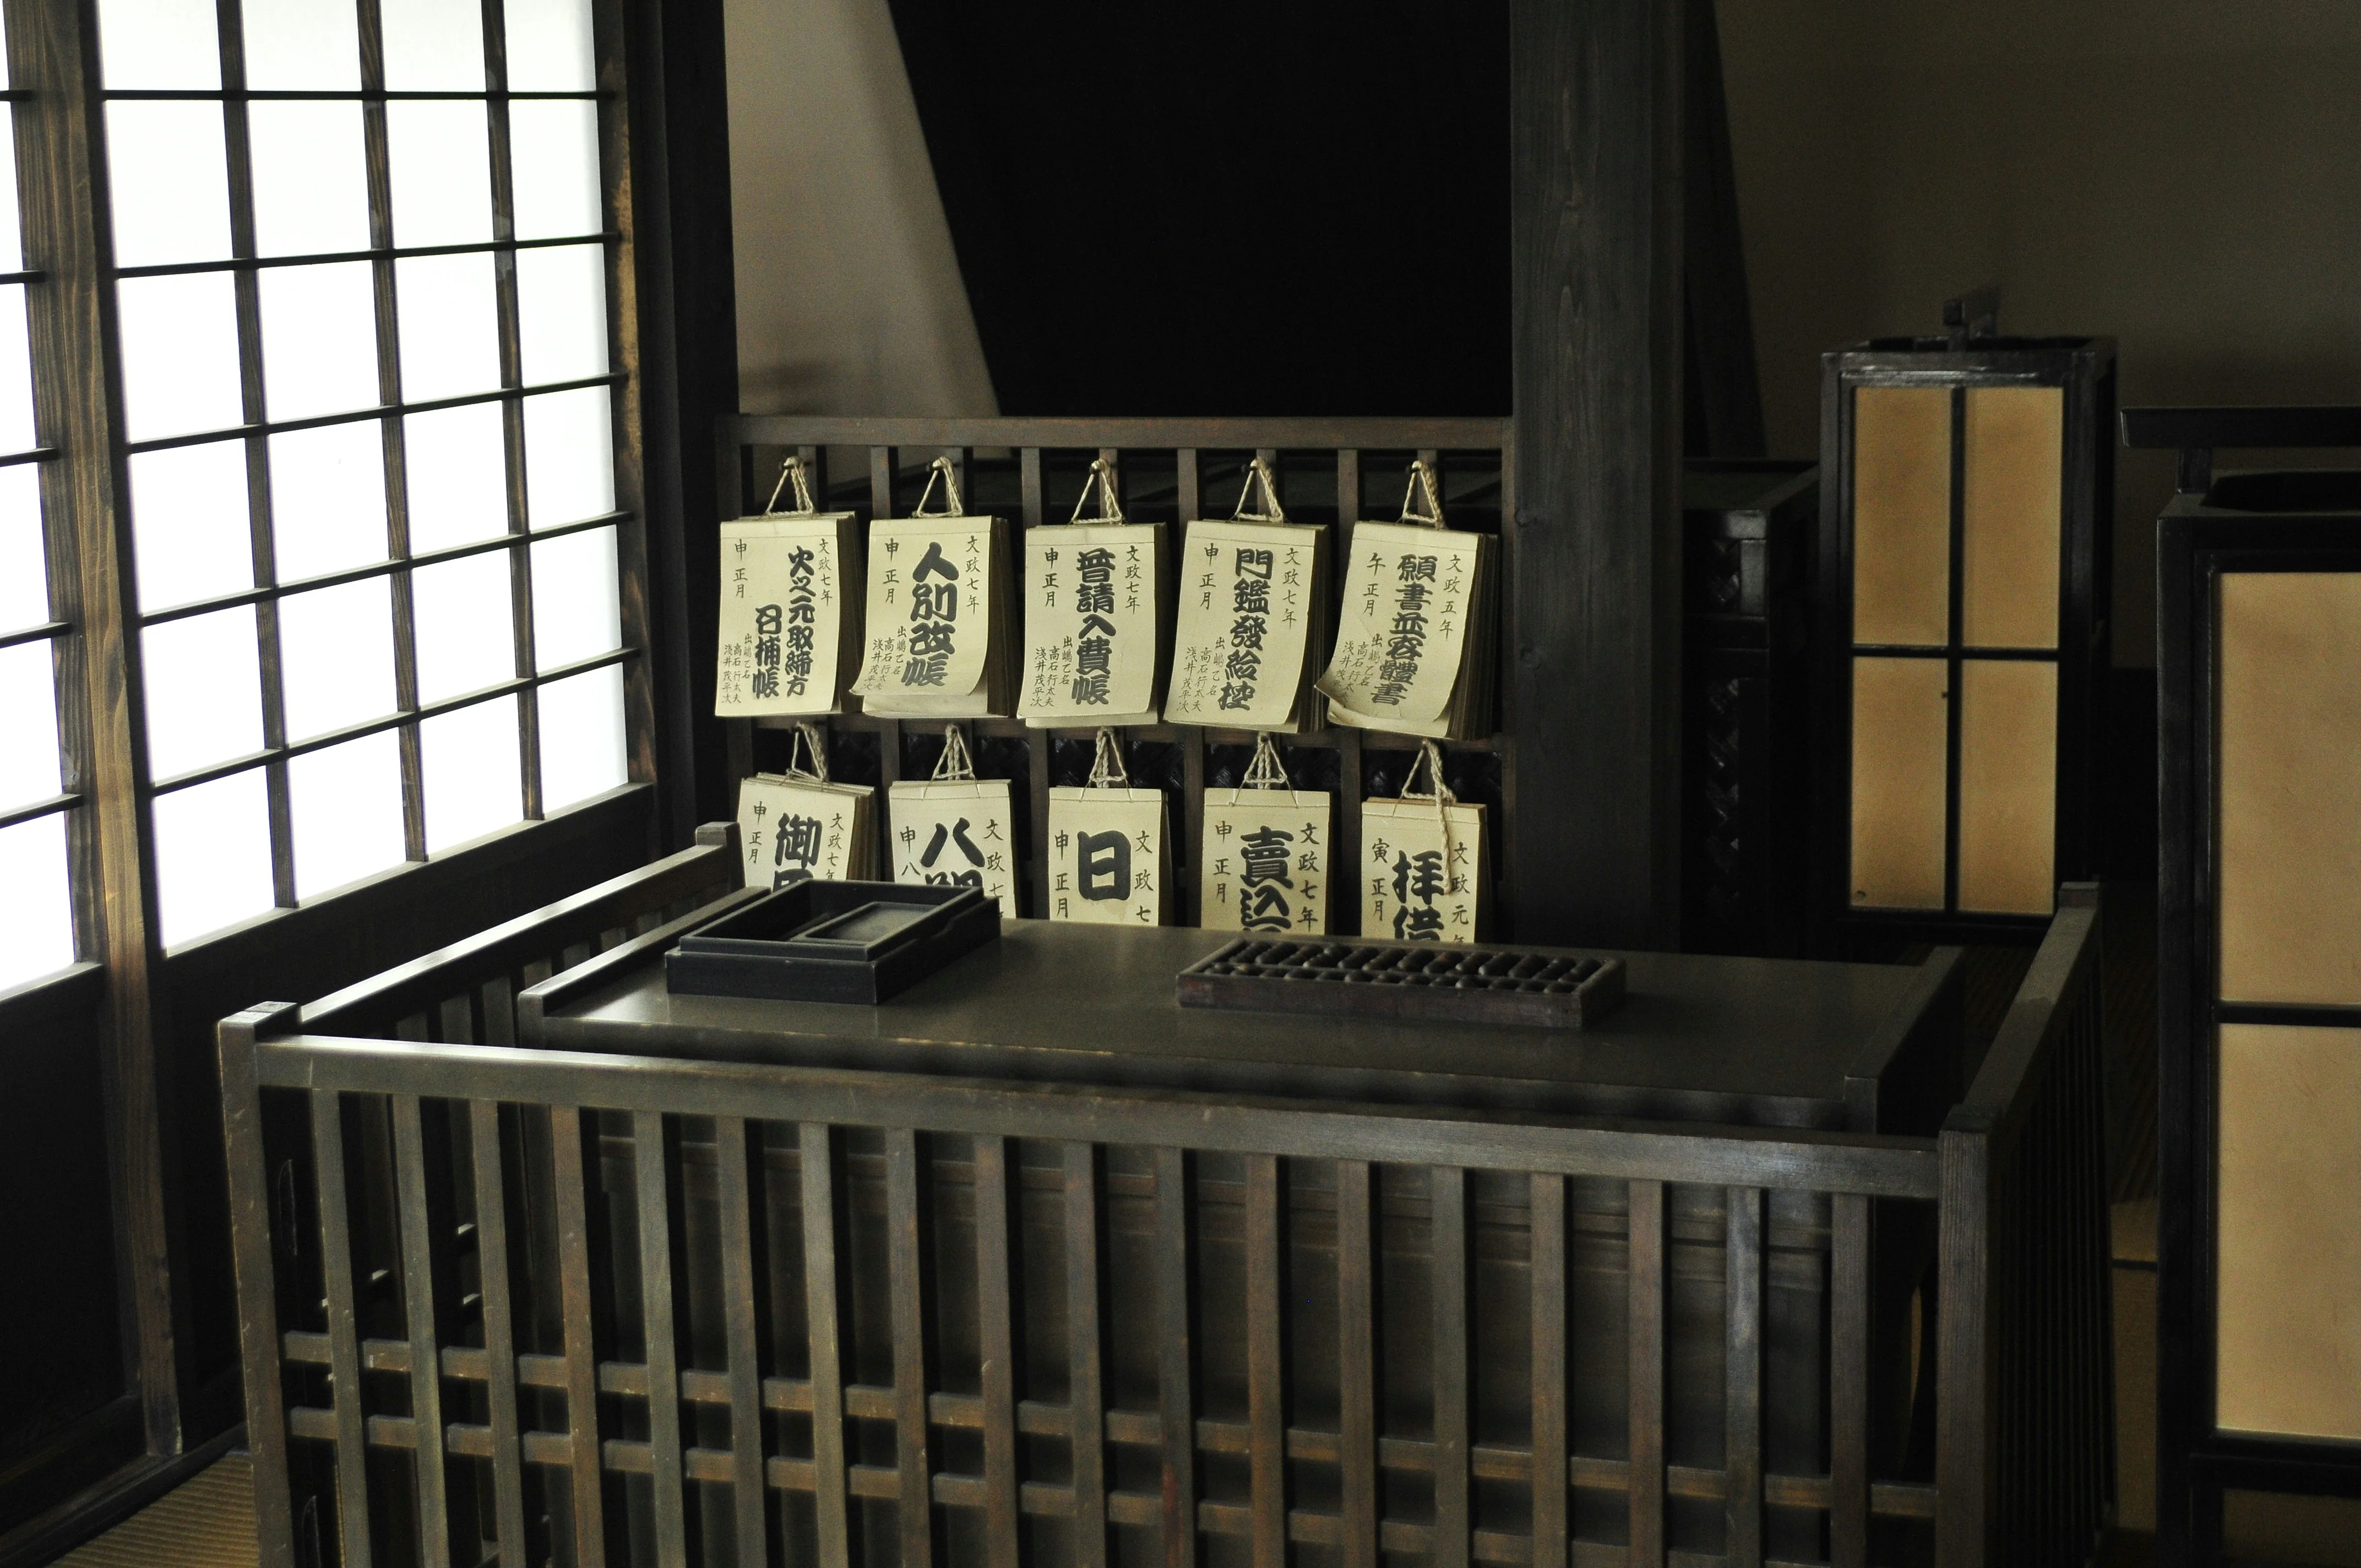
(206, 1523)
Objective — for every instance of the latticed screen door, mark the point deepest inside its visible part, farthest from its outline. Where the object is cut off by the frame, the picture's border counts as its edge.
(362, 273)
(1956, 536)
(36, 934)
(1963, 582)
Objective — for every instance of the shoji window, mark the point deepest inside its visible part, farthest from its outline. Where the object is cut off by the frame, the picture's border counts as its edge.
(37, 793)
(361, 275)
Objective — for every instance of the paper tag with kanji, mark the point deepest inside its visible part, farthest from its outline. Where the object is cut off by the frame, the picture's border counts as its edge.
(954, 833)
(788, 831)
(1264, 861)
(929, 618)
(1409, 591)
(1245, 610)
(1419, 882)
(1107, 856)
(1090, 623)
(780, 616)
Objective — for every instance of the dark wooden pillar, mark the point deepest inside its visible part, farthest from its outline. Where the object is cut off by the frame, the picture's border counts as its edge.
(1596, 224)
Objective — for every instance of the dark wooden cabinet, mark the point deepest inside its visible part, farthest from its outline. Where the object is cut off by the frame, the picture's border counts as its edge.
(2258, 906)
(1964, 578)
(1746, 719)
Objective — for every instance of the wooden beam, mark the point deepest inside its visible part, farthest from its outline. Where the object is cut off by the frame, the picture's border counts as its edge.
(66, 217)
(1595, 228)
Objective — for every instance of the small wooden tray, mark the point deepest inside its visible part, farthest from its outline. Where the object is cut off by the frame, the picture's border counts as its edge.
(832, 942)
(1408, 981)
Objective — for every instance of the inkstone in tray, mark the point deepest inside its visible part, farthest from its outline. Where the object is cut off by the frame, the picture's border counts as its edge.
(1408, 981)
(832, 942)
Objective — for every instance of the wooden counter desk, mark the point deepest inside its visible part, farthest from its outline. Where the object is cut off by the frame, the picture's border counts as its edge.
(1759, 1042)
(1030, 1265)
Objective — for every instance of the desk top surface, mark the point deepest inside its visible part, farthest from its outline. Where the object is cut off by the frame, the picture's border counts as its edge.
(1757, 1041)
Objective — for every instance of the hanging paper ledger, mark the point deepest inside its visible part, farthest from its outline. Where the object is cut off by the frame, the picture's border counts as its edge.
(801, 824)
(1422, 863)
(1264, 854)
(1414, 633)
(1092, 632)
(788, 641)
(954, 830)
(938, 615)
(1252, 595)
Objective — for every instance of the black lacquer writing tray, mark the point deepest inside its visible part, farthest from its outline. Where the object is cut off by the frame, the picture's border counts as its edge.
(832, 942)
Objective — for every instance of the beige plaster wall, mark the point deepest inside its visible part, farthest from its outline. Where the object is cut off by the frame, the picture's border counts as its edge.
(848, 292)
(2182, 174)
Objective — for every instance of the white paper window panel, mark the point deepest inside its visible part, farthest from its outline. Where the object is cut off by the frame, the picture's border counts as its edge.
(24, 569)
(169, 177)
(440, 159)
(159, 43)
(301, 45)
(15, 374)
(336, 656)
(469, 762)
(28, 725)
(465, 631)
(433, 46)
(455, 462)
(569, 456)
(213, 856)
(562, 312)
(345, 812)
(180, 355)
(319, 339)
(204, 683)
(191, 536)
(581, 737)
(576, 613)
(553, 159)
(549, 45)
(12, 241)
(450, 317)
(327, 499)
(311, 176)
(37, 918)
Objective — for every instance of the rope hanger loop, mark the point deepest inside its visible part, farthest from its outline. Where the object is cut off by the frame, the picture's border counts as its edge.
(1101, 484)
(1259, 472)
(944, 472)
(954, 766)
(1106, 763)
(1421, 478)
(791, 471)
(806, 742)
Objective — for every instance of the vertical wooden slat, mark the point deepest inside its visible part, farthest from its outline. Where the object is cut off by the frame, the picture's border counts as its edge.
(570, 1179)
(1176, 1382)
(1742, 1370)
(1028, 480)
(747, 1482)
(344, 1327)
(1448, 1186)
(417, 1318)
(881, 482)
(1186, 475)
(1345, 868)
(1550, 1474)
(1848, 1382)
(820, 1302)
(253, 1238)
(1266, 1372)
(915, 1507)
(648, 1169)
(1085, 1398)
(1192, 823)
(1645, 1342)
(1357, 1361)
(996, 1286)
(499, 1329)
